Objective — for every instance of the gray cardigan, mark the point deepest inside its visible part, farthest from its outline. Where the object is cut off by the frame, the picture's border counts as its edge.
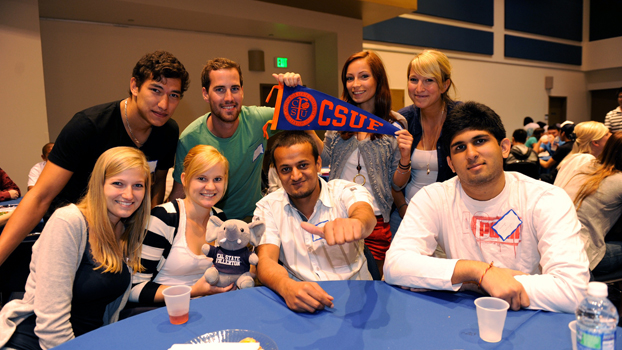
(55, 258)
(598, 214)
(381, 157)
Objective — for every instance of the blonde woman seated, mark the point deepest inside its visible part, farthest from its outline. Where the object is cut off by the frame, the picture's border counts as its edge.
(590, 140)
(599, 206)
(78, 279)
(171, 252)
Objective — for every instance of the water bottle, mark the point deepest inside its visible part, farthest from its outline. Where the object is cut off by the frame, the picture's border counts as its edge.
(597, 319)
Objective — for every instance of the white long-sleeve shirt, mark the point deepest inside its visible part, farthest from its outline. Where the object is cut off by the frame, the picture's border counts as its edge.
(530, 226)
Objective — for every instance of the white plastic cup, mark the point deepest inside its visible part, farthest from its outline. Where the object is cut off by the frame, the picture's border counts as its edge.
(491, 314)
(573, 334)
(177, 301)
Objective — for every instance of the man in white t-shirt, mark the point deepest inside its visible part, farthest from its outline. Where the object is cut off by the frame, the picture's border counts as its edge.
(505, 234)
(36, 170)
(314, 228)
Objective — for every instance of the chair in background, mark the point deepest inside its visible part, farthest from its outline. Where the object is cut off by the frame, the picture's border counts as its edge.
(525, 168)
(15, 270)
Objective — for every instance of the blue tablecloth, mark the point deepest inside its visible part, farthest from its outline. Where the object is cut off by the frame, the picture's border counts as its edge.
(12, 201)
(367, 315)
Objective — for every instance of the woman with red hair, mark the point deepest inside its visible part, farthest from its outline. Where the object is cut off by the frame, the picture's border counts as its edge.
(377, 162)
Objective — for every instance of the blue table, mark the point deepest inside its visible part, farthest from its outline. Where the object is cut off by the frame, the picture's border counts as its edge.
(12, 201)
(367, 315)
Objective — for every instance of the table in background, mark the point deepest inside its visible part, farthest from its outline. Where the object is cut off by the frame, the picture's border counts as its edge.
(367, 315)
(12, 201)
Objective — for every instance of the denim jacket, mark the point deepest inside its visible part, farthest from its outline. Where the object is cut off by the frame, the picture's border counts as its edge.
(381, 157)
(413, 116)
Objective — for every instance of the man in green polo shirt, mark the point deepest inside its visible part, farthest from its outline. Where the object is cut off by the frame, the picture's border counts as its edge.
(235, 130)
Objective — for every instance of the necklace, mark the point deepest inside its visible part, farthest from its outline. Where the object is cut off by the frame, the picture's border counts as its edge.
(127, 122)
(358, 168)
(434, 139)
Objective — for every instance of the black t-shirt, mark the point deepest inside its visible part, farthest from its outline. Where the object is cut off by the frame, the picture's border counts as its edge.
(93, 131)
(561, 152)
(93, 290)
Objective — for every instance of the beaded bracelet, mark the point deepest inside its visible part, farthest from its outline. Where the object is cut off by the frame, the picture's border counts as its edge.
(403, 172)
(402, 166)
(479, 284)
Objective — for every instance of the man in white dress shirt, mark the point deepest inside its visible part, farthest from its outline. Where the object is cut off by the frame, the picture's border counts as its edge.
(316, 229)
(505, 234)
(35, 171)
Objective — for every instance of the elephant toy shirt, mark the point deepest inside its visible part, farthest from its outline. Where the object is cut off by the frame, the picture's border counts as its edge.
(230, 261)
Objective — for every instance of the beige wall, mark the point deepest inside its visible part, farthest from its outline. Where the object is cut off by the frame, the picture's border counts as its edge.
(24, 123)
(86, 64)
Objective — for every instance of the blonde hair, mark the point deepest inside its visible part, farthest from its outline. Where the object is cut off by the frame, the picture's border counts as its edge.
(107, 252)
(201, 158)
(609, 163)
(586, 132)
(433, 64)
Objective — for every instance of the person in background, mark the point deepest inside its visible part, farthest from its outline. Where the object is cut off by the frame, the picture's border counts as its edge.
(234, 130)
(549, 141)
(79, 280)
(314, 229)
(505, 234)
(143, 121)
(599, 207)
(529, 126)
(377, 162)
(35, 171)
(522, 159)
(8, 189)
(613, 119)
(171, 253)
(429, 81)
(591, 138)
(533, 140)
(566, 141)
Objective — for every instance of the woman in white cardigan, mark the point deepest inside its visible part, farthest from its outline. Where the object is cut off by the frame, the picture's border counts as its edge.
(81, 265)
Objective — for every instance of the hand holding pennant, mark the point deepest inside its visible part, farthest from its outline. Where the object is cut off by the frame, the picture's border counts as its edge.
(302, 108)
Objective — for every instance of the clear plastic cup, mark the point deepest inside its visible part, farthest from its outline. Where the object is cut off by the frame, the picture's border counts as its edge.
(177, 301)
(491, 314)
(573, 334)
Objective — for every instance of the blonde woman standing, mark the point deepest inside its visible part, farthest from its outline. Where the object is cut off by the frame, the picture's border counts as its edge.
(429, 81)
(79, 279)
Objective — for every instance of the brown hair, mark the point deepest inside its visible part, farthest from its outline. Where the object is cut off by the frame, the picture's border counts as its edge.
(382, 98)
(157, 65)
(218, 64)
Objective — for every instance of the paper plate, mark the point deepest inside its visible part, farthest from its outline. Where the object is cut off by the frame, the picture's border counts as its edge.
(234, 336)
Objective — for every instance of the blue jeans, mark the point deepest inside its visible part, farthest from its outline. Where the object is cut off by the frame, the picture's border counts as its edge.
(395, 222)
(612, 261)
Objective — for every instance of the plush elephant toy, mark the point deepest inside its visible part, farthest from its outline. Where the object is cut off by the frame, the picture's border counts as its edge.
(231, 257)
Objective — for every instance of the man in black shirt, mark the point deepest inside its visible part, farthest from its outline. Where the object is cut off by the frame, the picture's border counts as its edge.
(143, 121)
(567, 136)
